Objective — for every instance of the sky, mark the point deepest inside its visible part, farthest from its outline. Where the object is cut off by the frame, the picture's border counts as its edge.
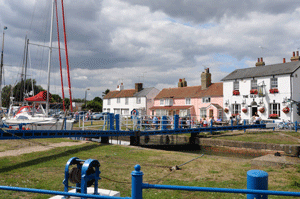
(148, 41)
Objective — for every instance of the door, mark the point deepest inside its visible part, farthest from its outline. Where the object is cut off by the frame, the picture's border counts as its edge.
(254, 110)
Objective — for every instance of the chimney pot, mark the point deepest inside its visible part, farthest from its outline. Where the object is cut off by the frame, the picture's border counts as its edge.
(261, 59)
(180, 80)
(293, 54)
(257, 59)
(283, 60)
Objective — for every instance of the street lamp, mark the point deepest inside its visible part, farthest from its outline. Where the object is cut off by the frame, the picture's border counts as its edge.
(85, 97)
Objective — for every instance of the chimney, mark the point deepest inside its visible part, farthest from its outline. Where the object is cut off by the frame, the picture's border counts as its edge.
(120, 87)
(295, 58)
(184, 82)
(180, 83)
(138, 87)
(205, 79)
(283, 60)
(260, 62)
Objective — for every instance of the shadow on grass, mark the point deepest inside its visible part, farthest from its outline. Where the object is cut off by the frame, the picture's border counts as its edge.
(47, 158)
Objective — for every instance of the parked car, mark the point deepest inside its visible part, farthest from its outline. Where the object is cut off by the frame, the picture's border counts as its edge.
(99, 116)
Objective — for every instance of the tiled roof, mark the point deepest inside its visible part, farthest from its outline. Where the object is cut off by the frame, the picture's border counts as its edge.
(215, 89)
(180, 92)
(122, 93)
(261, 71)
(143, 92)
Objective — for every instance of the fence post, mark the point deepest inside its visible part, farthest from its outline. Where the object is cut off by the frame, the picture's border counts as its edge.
(211, 125)
(296, 126)
(273, 127)
(91, 120)
(176, 121)
(136, 183)
(257, 180)
(244, 125)
(65, 123)
(117, 117)
(164, 122)
(231, 124)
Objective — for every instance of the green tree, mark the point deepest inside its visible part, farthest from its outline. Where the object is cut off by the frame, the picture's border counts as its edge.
(55, 98)
(6, 92)
(105, 92)
(67, 103)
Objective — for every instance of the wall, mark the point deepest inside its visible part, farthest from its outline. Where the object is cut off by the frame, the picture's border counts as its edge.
(150, 99)
(295, 95)
(244, 88)
(131, 104)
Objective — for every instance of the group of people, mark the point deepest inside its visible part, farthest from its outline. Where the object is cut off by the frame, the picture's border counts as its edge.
(256, 118)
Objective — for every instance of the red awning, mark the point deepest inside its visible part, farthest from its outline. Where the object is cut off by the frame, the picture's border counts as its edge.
(41, 96)
(171, 107)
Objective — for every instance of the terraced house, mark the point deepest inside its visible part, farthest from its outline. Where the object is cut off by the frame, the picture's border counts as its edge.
(123, 101)
(271, 91)
(201, 101)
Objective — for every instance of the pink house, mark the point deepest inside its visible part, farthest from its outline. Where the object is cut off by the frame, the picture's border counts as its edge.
(202, 101)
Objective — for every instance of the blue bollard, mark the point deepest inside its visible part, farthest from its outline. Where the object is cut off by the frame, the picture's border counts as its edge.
(164, 122)
(111, 121)
(211, 125)
(273, 127)
(65, 123)
(296, 126)
(136, 183)
(257, 180)
(176, 121)
(244, 125)
(232, 124)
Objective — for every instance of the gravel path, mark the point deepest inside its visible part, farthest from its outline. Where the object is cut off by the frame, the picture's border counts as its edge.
(38, 148)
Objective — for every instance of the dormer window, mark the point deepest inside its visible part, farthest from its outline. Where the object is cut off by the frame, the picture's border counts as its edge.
(187, 101)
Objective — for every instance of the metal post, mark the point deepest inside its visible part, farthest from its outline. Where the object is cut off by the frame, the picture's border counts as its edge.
(1, 67)
(176, 121)
(65, 123)
(164, 122)
(137, 182)
(111, 121)
(296, 126)
(257, 180)
(232, 123)
(244, 125)
(273, 127)
(117, 117)
(211, 125)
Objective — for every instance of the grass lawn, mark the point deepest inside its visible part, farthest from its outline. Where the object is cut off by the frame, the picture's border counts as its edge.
(45, 170)
(265, 137)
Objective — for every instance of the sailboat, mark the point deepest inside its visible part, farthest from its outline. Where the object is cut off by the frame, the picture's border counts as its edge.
(35, 114)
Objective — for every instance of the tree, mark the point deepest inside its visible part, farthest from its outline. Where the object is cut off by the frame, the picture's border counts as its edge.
(67, 103)
(105, 92)
(55, 98)
(97, 99)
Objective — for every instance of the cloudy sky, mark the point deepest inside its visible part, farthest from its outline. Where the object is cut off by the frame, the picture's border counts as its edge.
(149, 41)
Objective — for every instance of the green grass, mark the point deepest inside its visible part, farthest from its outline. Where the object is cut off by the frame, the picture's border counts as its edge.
(265, 137)
(45, 170)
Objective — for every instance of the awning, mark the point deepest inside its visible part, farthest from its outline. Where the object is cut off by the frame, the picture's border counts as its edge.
(41, 96)
(171, 107)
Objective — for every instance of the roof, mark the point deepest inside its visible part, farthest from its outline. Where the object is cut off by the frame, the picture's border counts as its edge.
(215, 89)
(171, 107)
(122, 93)
(143, 93)
(215, 105)
(261, 71)
(127, 93)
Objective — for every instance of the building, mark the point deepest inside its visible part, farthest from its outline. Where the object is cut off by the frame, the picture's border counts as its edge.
(201, 101)
(123, 101)
(271, 91)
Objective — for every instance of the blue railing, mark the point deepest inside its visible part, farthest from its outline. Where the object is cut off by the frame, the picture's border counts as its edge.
(257, 185)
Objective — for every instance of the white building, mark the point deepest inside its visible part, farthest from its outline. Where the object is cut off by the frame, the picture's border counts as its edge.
(272, 87)
(123, 101)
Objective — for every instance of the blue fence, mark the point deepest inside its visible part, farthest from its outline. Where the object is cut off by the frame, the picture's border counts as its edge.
(257, 185)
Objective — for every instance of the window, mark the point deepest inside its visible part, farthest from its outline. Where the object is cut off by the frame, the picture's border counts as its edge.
(202, 112)
(275, 109)
(274, 83)
(220, 114)
(184, 112)
(118, 100)
(205, 99)
(168, 102)
(138, 100)
(254, 84)
(108, 102)
(126, 101)
(161, 112)
(117, 111)
(236, 109)
(236, 86)
(187, 101)
(161, 101)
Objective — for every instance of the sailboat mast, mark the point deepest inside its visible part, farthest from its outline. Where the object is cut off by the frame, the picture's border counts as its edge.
(1, 67)
(49, 58)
